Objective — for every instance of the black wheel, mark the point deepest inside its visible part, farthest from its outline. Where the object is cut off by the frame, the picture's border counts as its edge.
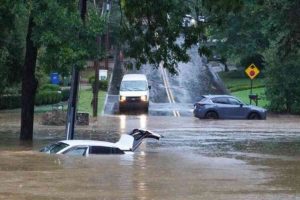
(253, 116)
(211, 115)
(146, 109)
(121, 109)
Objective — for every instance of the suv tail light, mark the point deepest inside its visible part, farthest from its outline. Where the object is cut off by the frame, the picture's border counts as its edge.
(198, 105)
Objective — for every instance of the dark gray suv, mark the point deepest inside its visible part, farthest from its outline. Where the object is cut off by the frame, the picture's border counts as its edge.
(226, 107)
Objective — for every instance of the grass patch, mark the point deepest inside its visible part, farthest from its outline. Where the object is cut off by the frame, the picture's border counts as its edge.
(239, 86)
(234, 83)
(85, 98)
(244, 96)
(84, 103)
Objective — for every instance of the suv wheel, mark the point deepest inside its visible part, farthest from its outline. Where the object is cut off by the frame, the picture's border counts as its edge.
(253, 116)
(211, 115)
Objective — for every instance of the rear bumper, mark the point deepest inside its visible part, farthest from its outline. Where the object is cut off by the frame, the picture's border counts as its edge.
(198, 113)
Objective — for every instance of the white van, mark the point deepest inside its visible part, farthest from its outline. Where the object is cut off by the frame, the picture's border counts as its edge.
(134, 92)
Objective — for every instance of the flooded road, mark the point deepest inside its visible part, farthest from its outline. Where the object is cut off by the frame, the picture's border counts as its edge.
(170, 95)
(195, 159)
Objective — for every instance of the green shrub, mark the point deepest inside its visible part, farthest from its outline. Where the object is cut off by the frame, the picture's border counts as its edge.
(65, 93)
(42, 98)
(91, 79)
(42, 77)
(295, 108)
(256, 59)
(12, 90)
(49, 87)
(10, 102)
(103, 84)
(47, 97)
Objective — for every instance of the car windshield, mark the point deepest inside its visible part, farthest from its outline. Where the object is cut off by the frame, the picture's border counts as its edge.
(133, 86)
(54, 148)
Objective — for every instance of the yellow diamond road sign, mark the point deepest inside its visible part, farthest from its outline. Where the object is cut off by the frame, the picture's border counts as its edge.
(252, 71)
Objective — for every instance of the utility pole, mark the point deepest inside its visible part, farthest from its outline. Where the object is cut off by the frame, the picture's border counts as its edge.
(108, 5)
(95, 86)
(72, 104)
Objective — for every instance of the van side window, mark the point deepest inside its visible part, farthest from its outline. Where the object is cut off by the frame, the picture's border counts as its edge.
(105, 150)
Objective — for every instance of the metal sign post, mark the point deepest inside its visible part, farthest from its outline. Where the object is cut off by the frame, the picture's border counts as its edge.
(71, 114)
(72, 104)
(252, 71)
(251, 86)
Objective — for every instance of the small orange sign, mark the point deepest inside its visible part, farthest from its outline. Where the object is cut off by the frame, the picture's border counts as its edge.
(252, 71)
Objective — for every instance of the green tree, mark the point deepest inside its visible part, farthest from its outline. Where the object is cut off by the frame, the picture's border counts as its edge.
(11, 42)
(283, 56)
(56, 29)
(150, 30)
(282, 83)
(239, 34)
(265, 32)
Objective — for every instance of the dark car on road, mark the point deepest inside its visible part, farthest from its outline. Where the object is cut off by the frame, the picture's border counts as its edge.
(226, 107)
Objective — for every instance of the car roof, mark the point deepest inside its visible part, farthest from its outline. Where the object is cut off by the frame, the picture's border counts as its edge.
(134, 77)
(218, 95)
(88, 143)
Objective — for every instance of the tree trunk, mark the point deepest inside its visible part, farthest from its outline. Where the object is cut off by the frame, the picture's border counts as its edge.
(226, 67)
(96, 88)
(29, 85)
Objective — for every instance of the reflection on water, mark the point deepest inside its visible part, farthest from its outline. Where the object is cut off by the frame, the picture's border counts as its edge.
(188, 163)
(143, 121)
(122, 122)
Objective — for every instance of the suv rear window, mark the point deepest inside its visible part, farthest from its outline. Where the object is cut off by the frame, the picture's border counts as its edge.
(221, 100)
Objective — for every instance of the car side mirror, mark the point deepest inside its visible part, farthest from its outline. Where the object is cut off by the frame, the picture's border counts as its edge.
(241, 105)
(149, 87)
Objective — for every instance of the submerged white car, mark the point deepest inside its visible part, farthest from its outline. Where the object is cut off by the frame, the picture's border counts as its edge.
(126, 144)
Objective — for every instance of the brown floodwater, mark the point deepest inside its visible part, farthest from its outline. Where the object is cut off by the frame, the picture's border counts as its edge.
(196, 159)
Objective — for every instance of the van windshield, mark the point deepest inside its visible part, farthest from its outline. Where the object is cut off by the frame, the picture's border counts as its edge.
(134, 86)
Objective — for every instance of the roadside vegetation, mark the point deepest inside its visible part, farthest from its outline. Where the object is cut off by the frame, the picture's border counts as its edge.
(265, 33)
(39, 37)
(239, 85)
(85, 98)
(244, 96)
(237, 80)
